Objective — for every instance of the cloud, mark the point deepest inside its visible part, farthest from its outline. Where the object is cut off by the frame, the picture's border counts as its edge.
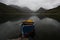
(34, 4)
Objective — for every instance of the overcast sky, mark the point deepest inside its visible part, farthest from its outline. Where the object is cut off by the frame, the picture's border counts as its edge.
(34, 4)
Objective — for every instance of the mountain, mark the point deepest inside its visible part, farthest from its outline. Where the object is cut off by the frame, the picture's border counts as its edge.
(11, 12)
(41, 10)
(52, 13)
(24, 9)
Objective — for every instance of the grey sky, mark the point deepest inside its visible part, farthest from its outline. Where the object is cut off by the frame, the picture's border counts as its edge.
(34, 4)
